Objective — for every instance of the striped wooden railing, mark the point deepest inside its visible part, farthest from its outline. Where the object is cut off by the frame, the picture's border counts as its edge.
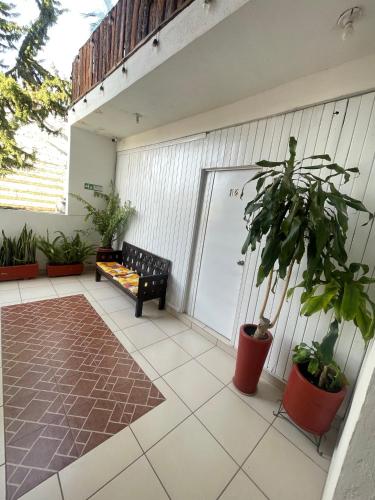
(126, 27)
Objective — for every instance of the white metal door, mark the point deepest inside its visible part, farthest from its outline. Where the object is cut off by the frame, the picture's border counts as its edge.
(221, 264)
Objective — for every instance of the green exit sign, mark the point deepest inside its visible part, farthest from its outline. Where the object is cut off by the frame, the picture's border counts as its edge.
(93, 187)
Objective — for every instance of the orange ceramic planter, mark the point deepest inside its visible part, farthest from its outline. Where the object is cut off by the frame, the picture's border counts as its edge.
(251, 356)
(54, 271)
(23, 272)
(310, 407)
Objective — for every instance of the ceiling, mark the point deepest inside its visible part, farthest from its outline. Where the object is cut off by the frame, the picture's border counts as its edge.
(262, 45)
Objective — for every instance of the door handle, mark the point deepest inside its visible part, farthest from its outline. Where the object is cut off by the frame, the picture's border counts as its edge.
(241, 263)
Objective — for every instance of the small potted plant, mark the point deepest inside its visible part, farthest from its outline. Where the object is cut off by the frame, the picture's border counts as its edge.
(316, 384)
(18, 256)
(65, 255)
(297, 211)
(109, 221)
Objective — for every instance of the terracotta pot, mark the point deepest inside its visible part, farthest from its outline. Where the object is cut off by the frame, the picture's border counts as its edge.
(310, 407)
(22, 272)
(102, 253)
(251, 356)
(55, 270)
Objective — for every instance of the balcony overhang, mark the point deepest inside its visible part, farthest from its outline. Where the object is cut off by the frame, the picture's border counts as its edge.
(210, 57)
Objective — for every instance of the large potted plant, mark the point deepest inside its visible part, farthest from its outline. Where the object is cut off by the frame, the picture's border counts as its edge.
(18, 256)
(109, 221)
(297, 211)
(316, 384)
(66, 255)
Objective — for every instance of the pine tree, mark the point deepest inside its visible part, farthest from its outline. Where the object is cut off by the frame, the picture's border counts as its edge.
(29, 93)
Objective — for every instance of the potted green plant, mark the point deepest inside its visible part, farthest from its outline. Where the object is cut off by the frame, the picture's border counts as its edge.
(297, 211)
(18, 256)
(65, 255)
(109, 221)
(316, 384)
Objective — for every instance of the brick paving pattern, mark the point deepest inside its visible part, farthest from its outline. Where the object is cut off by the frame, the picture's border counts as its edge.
(68, 386)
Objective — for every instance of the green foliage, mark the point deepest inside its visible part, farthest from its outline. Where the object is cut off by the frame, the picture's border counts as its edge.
(110, 220)
(65, 250)
(345, 293)
(18, 251)
(298, 213)
(29, 93)
(321, 369)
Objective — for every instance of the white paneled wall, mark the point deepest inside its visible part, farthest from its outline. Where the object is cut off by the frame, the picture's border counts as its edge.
(165, 183)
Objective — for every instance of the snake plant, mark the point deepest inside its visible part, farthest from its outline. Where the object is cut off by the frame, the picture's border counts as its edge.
(18, 251)
(64, 249)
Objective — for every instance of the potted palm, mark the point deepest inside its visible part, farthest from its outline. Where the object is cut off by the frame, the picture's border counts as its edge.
(316, 384)
(66, 255)
(18, 256)
(297, 211)
(109, 221)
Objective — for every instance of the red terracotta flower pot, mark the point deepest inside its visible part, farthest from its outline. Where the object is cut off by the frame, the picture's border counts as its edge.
(55, 270)
(251, 356)
(22, 272)
(310, 407)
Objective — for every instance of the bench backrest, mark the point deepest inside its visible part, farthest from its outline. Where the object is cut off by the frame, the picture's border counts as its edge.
(143, 262)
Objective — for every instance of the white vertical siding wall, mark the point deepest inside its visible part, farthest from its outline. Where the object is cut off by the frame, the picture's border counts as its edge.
(165, 184)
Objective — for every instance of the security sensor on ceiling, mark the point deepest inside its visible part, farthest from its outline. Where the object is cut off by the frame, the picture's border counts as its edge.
(347, 19)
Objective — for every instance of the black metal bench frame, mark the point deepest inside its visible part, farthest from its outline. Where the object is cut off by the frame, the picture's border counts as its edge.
(152, 269)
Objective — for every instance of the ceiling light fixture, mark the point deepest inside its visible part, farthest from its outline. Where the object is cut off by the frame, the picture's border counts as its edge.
(347, 19)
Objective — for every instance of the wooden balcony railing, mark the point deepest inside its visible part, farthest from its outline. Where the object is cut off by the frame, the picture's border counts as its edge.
(125, 28)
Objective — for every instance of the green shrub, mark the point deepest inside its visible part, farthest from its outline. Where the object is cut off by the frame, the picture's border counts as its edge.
(64, 249)
(110, 220)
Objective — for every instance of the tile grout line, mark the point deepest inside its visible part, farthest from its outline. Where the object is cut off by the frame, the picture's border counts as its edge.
(249, 455)
(248, 404)
(60, 485)
(115, 476)
(227, 485)
(149, 461)
(296, 446)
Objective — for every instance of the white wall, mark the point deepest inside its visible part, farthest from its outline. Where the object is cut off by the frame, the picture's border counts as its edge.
(92, 159)
(163, 183)
(351, 475)
(12, 221)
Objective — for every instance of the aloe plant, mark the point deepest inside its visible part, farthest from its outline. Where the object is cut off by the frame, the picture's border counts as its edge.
(18, 251)
(298, 213)
(65, 250)
(110, 220)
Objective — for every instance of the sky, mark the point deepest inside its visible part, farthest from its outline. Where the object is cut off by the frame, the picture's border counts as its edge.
(68, 35)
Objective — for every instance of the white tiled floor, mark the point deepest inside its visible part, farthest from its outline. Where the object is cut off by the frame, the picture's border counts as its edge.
(206, 441)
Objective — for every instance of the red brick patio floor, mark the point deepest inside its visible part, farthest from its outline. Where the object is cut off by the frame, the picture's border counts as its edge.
(68, 386)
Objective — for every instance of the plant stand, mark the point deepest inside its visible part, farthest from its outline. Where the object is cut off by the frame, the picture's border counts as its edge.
(316, 440)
